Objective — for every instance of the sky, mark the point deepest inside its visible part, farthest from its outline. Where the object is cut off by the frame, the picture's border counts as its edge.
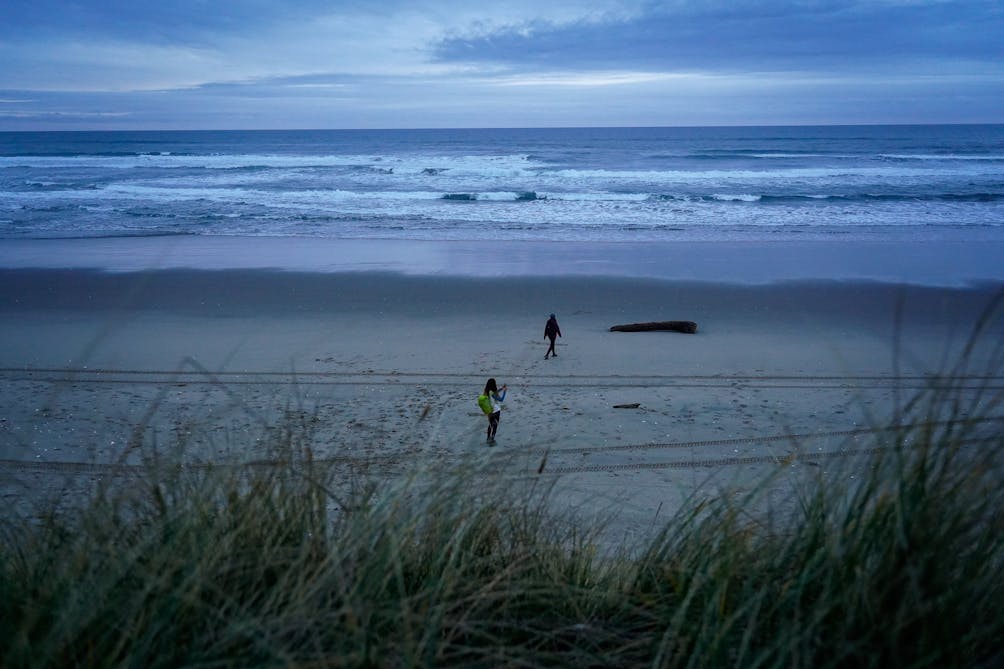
(242, 64)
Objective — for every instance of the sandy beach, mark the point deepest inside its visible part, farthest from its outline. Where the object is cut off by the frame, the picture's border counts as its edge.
(383, 369)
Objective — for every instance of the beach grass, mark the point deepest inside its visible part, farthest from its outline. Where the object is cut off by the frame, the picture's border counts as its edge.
(891, 561)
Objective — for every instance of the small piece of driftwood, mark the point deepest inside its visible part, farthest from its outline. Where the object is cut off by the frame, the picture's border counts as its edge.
(687, 327)
(633, 405)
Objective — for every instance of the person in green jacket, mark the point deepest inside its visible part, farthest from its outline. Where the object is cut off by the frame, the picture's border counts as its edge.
(491, 404)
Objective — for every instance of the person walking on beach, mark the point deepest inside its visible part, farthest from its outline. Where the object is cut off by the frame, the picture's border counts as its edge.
(551, 331)
(491, 403)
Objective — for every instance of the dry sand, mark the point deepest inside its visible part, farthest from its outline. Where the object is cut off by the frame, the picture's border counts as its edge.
(385, 370)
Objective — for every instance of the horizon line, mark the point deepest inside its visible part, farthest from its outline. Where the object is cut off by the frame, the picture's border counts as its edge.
(540, 127)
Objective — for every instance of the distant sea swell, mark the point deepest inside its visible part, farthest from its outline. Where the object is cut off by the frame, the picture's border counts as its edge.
(923, 182)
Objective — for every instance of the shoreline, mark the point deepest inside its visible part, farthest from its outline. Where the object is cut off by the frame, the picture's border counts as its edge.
(930, 263)
(279, 320)
(226, 293)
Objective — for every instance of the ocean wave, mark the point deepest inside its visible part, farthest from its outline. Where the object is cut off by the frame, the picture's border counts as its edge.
(46, 186)
(774, 174)
(842, 198)
(86, 154)
(42, 193)
(140, 191)
(889, 197)
(418, 164)
(941, 156)
(599, 197)
(716, 197)
(738, 197)
(566, 185)
(790, 156)
(524, 196)
(732, 154)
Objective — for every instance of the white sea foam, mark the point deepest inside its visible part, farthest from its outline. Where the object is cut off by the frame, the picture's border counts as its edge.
(738, 197)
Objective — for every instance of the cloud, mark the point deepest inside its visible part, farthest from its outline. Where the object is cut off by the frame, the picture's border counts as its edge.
(442, 63)
(152, 22)
(584, 79)
(57, 114)
(140, 45)
(748, 37)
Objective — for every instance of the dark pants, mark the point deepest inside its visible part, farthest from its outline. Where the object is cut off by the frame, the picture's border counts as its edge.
(493, 424)
(551, 350)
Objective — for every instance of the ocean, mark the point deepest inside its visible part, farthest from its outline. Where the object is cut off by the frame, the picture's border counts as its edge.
(864, 183)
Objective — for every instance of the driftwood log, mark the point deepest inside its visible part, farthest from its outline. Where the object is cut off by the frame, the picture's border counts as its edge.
(687, 327)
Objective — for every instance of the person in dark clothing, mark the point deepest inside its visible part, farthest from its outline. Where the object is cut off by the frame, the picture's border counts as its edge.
(551, 331)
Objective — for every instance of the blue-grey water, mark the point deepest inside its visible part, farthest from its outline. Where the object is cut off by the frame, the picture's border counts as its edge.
(871, 183)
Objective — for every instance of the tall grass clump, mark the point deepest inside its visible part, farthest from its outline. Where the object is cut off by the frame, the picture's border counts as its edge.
(890, 561)
(898, 567)
(276, 565)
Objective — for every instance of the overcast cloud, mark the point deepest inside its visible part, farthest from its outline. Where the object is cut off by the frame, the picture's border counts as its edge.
(314, 63)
